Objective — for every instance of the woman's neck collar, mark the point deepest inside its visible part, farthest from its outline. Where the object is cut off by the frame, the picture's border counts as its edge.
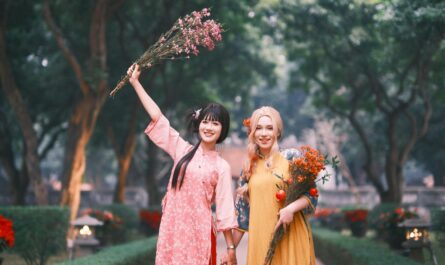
(207, 147)
(265, 154)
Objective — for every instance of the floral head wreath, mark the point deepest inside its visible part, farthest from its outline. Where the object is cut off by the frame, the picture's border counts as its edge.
(196, 114)
(246, 123)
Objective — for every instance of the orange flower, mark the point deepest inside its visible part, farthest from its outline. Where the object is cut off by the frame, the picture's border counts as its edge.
(246, 122)
(300, 178)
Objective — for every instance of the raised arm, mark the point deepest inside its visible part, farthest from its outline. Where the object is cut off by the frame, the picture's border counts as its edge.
(159, 129)
(149, 105)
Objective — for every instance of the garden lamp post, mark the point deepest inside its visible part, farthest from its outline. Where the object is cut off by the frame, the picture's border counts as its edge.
(417, 237)
(84, 228)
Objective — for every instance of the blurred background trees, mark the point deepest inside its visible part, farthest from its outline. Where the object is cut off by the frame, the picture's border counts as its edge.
(373, 69)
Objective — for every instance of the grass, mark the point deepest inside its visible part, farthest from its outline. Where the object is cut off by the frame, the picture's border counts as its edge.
(438, 252)
(12, 259)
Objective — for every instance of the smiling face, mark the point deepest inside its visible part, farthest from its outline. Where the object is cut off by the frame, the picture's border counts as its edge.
(209, 130)
(264, 134)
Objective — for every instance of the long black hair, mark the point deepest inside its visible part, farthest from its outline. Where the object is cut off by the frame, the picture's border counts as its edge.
(213, 112)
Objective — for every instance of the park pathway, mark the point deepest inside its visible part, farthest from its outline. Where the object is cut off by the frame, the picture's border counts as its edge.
(241, 251)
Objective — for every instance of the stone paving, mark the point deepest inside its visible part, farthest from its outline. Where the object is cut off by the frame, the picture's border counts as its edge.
(241, 251)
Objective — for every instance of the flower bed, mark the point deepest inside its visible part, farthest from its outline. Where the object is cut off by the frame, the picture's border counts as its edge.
(357, 220)
(40, 232)
(332, 247)
(150, 221)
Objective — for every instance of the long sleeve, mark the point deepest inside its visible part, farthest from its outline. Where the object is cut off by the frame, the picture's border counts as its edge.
(242, 209)
(225, 210)
(312, 204)
(167, 138)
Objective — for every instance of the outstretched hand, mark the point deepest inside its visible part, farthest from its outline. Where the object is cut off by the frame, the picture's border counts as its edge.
(134, 72)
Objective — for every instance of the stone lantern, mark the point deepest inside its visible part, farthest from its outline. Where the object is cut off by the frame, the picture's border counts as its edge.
(416, 238)
(84, 230)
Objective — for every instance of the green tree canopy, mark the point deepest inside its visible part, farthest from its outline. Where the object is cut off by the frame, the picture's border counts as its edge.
(368, 62)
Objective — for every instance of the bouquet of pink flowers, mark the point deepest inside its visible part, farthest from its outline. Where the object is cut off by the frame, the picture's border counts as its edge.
(182, 39)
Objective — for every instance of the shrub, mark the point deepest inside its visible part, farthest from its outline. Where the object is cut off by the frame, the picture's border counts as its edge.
(134, 253)
(388, 226)
(129, 216)
(332, 247)
(357, 220)
(150, 220)
(331, 218)
(438, 225)
(375, 214)
(6, 233)
(120, 222)
(40, 232)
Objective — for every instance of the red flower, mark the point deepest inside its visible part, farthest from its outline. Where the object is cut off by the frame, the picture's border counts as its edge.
(6, 232)
(313, 192)
(357, 215)
(325, 212)
(399, 211)
(280, 195)
(152, 218)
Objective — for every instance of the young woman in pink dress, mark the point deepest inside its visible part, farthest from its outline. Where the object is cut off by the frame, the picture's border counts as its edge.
(200, 177)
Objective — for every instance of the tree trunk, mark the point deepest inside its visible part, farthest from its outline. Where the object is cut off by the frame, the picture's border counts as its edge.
(85, 113)
(18, 105)
(125, 155)
(18, 179)
(80, 129)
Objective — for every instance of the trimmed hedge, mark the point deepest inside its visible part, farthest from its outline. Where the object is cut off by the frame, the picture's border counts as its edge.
(438, 225)
(375, 213)
(129, 216)
(134, 253)
(113, 234)
(336, 249)
(40, 232)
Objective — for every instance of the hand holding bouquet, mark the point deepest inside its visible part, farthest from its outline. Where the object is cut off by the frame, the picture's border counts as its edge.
(182, 39)
(304, 170)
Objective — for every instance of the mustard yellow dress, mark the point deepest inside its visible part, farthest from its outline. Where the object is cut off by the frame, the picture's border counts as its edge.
(296, 247)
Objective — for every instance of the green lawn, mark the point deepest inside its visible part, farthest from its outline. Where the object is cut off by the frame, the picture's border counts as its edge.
(438, 251)
(9, 259)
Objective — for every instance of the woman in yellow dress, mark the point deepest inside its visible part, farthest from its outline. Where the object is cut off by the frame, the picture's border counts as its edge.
(259, 212)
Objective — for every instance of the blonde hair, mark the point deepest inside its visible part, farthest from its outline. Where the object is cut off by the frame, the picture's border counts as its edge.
(252, 148)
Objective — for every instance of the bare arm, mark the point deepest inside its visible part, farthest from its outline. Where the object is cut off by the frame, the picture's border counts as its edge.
(298, 205)
(149, 105)
(237, 236)
(231, 253)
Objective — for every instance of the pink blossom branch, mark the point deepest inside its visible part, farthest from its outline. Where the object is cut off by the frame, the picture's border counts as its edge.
(183, 39)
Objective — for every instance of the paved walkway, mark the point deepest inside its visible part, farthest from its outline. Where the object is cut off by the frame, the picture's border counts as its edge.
(241, 250)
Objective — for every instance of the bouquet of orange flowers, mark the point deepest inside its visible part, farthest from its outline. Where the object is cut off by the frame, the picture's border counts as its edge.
(6, 233)
(304, 174)
(183, 39)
